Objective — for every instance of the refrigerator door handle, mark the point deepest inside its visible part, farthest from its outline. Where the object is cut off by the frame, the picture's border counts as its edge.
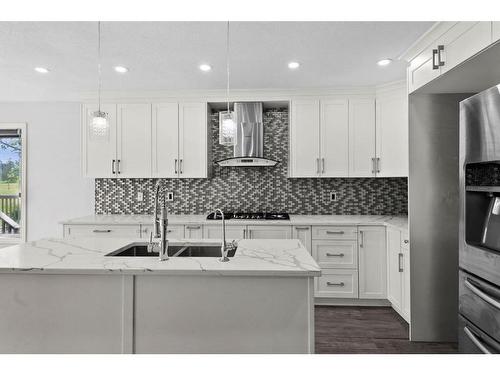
(476, 340)
(478, 292)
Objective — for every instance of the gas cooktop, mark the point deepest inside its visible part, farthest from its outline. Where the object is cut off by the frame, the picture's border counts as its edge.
(251, 216)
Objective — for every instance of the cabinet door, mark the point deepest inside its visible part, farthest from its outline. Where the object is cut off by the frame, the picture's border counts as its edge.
(233, 232)
(304, 139)
(361, 138)
(394, 278)
(334, 138)
(372, 262)
(165, 142)
(282, 232)
(495, 32)
(462, 41)
(303, 233)
(193, 231)
(406, 284)
(392, 134)
(193, 140)
(134, 141)
(99, 149)
(422, 69)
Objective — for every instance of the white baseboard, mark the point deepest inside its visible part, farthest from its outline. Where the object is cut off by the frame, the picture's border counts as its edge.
(318, 301)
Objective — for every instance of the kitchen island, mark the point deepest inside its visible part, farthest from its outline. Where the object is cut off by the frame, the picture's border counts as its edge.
(68, 296)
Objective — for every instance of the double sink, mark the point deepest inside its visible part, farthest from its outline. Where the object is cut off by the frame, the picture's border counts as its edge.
(140, 249)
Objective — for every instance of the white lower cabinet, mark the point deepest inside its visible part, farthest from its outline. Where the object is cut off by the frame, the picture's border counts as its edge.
(281, 232)
(372, 262)
(398, 271)
(233, 232)
(303, 233)
(337, 283)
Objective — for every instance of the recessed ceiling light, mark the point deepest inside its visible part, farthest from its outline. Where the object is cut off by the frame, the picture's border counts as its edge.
(41, 69)
(121, 69)
(293, 65)
(205, 67)
(384, 62)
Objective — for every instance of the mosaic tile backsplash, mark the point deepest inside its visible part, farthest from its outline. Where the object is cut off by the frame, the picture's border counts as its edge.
(257, 189)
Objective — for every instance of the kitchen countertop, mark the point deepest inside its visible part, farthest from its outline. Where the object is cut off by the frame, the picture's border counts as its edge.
(399, 222)
(86, 255)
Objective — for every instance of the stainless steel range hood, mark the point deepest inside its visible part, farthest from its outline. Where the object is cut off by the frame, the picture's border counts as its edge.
(249, 147)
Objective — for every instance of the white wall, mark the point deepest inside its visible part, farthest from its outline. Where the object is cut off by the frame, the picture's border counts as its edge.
(55, 188)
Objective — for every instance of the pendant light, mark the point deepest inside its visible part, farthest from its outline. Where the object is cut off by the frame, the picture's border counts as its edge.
(100, 124)
(227, 126)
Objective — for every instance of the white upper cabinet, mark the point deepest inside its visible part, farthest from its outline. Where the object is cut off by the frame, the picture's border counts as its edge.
(134, 141)
(334, 136)
(495, 31)
(193, 140)
(462, 41)
(304, 139)
(447, 45)
(372, 262)
(392, 133)
(362, 138)
(423, 68)
(165, 150)
(99, 150)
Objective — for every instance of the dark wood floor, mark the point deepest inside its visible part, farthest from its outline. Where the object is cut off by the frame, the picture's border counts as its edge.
(365, 330)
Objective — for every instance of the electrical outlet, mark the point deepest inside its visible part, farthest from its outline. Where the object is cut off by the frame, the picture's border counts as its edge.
(333, 196)
(169, 196)
(140, 196)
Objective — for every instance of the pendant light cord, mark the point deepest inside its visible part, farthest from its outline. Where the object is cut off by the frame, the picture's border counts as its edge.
(227, 67)
(99, 65)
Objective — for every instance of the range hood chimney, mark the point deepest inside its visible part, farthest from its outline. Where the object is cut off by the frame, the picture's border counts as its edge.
(249, 145)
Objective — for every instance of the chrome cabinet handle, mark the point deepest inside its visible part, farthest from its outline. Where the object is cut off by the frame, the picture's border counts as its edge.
(439, 50)
(476, 340)
(180, 165)
(335, 232)
(317, 165)
(373, 165)
(175, 166)
(400, 262)
(361, 239)
(335, 284)
(118, 166)
(244, 233)
(478, 292)
(405, 241)
(434, 56)
(193, 227)
(302, 228)
(378, 165)
(341, 255)
(102, 231)
(113, 167)
(322, 165)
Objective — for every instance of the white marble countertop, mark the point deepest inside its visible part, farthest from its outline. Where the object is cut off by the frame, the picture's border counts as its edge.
(86, 255)
(399, 222)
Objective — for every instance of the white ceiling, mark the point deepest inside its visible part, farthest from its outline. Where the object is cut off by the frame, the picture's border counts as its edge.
(166, 55)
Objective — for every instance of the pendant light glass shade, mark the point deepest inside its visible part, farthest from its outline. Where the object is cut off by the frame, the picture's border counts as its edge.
(227, 129)
(100, 124)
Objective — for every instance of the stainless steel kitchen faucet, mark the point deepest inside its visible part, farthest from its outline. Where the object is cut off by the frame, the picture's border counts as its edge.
(160, 225)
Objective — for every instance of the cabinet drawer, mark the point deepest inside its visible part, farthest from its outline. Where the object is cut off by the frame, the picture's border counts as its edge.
(334, 233)
(335, 254)
(233, 232)
(338, 284)
(193, 231)
(128, 231)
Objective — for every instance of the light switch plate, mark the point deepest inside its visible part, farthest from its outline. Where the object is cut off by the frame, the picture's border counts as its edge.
(169, 197)
(140, 196)
(333, 196)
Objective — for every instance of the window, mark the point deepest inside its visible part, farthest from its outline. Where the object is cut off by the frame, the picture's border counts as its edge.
(12, 183)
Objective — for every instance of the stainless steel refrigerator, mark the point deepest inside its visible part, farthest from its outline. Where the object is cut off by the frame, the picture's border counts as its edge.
(479, 229)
